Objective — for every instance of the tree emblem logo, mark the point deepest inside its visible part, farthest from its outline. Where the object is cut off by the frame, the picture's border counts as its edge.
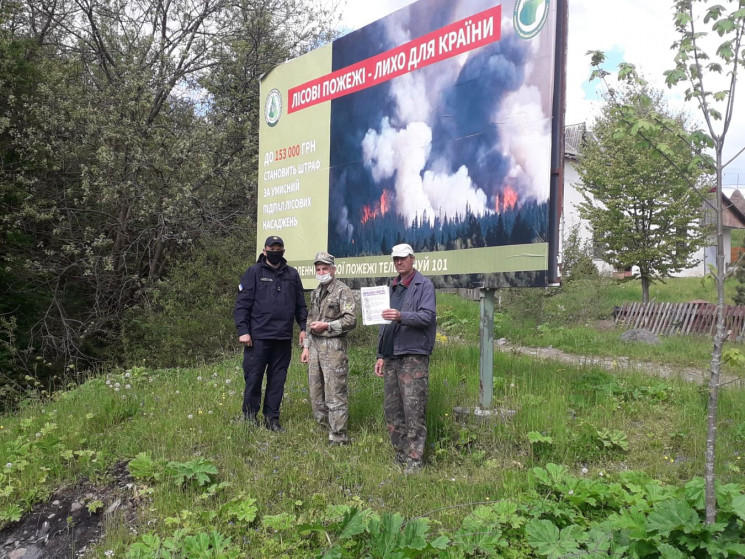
(273, 107)
(529, 17)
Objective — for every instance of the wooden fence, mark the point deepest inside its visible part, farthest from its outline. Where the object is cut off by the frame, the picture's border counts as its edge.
(681, 318)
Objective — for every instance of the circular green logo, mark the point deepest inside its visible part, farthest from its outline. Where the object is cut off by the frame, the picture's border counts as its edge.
(529, 17)
(273, 107)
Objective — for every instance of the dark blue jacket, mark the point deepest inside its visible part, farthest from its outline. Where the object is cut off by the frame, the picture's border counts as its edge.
(415, 333)
(268, 301)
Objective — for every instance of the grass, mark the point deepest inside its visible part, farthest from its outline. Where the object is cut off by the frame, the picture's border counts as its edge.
(586, 419)
(578, 319)
(675, 290)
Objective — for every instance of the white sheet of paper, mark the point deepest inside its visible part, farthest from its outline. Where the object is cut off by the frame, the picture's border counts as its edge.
(374, 301)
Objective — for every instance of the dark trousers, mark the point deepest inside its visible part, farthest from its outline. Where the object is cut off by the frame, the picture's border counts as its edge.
(272, 357)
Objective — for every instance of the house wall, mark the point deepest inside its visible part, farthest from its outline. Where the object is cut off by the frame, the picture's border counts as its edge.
(710, 252)
(699, 270)
(570, 216)
(572, 199)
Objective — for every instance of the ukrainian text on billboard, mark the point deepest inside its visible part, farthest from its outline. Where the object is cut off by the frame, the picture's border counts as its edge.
(431, 126)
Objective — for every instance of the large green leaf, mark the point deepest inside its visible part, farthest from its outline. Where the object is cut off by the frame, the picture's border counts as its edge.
(352, 524)
(671, 515)
(546, 539)
(669, 552)
(415, 534)
(695, 492)
(738, 506)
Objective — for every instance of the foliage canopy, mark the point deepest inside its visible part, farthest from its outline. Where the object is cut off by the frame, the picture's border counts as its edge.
(128, 132)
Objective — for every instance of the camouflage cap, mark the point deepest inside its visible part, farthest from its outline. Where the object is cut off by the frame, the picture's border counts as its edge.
(324, 258)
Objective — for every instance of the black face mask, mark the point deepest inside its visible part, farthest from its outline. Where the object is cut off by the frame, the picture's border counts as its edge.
(274, 256)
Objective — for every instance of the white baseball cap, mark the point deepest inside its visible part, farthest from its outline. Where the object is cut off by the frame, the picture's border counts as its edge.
(402, 251)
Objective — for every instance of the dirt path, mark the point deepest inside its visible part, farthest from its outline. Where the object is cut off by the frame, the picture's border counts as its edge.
(612, 364)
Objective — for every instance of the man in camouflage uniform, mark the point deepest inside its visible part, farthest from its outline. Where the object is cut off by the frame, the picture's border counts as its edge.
(332, 314)
(404, 347)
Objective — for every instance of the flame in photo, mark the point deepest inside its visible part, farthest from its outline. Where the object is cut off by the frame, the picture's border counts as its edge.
(384, 203)
(469, 136)
(379, 209)
(507, 201)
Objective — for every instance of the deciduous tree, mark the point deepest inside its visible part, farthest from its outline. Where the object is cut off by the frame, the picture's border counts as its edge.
(138, 138)
(709, 55)
(639, 201)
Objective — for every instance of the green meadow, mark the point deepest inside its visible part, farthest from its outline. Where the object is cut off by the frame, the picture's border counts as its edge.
(580, 462)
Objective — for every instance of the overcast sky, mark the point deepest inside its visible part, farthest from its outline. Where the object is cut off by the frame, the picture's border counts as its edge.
(636, 31)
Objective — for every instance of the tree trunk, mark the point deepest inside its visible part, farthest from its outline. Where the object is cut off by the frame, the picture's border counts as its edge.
(645, 289)
(120, 238)
(716, 357)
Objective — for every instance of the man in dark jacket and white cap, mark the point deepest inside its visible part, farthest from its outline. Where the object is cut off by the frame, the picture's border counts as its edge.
(404, 347)
(270, 298)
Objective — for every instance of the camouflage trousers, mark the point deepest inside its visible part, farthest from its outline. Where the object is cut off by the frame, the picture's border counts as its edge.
(406, 388)
(327, 381)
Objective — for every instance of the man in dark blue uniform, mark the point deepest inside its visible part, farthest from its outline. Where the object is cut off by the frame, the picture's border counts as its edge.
(270, 297)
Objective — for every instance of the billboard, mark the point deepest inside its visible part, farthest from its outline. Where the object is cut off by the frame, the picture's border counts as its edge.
(434, 126)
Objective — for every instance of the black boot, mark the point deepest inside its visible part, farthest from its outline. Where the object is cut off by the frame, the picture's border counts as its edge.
(274, 425)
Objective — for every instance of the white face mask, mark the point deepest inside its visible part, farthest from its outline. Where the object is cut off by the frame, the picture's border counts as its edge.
(324, 278)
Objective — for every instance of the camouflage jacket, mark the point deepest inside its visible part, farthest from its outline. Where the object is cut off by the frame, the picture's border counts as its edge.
(334, 304)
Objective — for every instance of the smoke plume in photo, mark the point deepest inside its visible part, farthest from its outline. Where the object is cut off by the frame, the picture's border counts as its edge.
(464, 139)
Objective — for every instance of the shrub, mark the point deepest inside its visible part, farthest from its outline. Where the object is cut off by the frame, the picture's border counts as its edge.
(579, 301)
(187, 317)
(577, 261)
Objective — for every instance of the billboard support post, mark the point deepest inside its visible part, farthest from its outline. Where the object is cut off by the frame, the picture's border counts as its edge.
(486, 336)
